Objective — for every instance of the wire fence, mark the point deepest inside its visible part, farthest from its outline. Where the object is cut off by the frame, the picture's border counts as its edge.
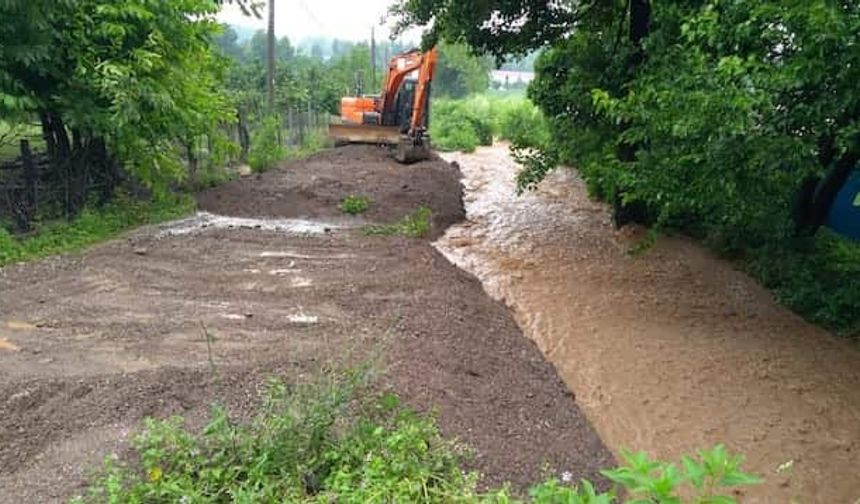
(33, 187)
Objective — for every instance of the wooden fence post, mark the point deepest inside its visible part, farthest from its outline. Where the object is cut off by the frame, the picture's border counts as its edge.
(30, 178)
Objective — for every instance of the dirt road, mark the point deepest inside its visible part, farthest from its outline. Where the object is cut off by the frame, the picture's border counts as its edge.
(668, 351)
(92, 343)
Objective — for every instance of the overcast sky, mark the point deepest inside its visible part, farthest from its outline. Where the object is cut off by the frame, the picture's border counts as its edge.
(298, 19)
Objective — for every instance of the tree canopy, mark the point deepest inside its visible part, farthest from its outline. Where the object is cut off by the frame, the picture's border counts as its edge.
(134, 75)
(460, 73)
(710, 112)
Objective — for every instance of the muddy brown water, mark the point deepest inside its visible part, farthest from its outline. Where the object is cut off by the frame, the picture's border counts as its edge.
(669, 351)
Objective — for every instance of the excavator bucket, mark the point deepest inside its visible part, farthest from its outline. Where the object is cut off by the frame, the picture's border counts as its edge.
(410, 152)
(406, 150)
(364, 134)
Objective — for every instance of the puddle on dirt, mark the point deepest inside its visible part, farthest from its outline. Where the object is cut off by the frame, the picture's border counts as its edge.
(299, 282)
(669, 351)
(285, 271)
(205, 221)
(302, 318)
(283, 254)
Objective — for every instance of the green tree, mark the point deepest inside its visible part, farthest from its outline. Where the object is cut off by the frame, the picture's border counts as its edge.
(256, 47)
(227, 42)
(460, 73)
(136, 76)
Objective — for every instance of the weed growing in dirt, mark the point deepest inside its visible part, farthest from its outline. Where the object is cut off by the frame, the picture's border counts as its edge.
(414, 225)
(354, 205)
(92, 226)
(266, 149)
(334, 441)
(338, 441)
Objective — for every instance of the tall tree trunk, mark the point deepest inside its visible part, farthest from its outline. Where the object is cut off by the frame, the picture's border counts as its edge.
(48, 135)
(640, 27)
(270, 58)
(244, 136)
(193, 162)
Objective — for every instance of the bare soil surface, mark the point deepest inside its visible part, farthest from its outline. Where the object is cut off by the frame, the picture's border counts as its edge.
(668, 351)
(91, 344)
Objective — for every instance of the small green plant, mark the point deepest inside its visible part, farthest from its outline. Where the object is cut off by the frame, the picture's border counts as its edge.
(266, 149)
(703, 480)
(354, 205)
(706, 477)
(210, 339)
(414, 225)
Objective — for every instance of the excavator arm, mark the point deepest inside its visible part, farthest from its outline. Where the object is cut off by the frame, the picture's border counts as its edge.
(399, 69)
(422, 93)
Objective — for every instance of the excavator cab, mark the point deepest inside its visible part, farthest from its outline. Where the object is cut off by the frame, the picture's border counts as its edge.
(398, 117)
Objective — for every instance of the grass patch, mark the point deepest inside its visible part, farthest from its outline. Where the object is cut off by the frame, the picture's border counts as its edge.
(337, 440)
(92, 226)
(354, 205)
(414, 225)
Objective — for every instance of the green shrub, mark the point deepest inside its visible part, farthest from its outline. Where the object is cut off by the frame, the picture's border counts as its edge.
(333, 441)
(414, 225)
(818, 278)
(337, 441)
(313, 143)
(354, 205)
(208, 176)
(266, 150)
(462, 125)
(521, 123)
(459, 126)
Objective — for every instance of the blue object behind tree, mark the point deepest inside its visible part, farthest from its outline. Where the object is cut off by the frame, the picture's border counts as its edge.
(844, 217)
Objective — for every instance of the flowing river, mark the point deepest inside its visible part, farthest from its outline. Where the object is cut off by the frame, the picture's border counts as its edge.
(667, 351)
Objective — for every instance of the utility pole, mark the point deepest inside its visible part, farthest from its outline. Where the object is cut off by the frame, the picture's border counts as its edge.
(373, 56)
(270, 58)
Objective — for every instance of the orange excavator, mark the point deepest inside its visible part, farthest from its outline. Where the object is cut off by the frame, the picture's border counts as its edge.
(399, 116)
